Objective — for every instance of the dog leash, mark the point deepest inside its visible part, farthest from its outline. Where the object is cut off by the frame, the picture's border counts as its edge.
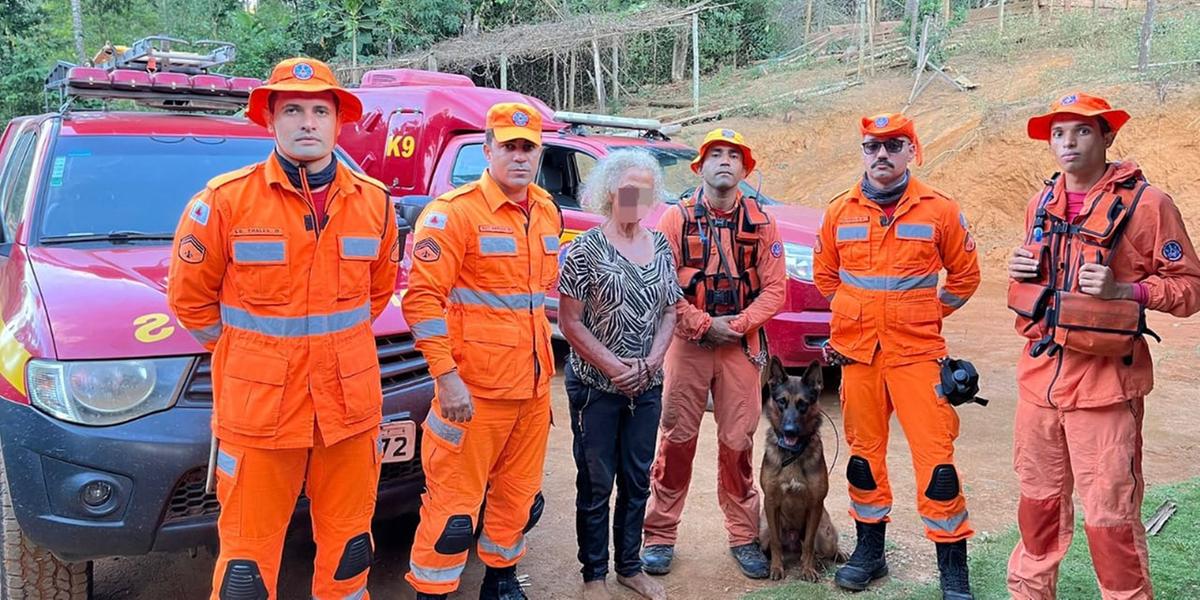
(837, 448)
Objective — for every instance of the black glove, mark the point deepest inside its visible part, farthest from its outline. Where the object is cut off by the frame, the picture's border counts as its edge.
(960, 382)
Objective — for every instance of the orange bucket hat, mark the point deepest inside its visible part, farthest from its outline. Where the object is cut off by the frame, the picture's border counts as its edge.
(1084, 105)
(728, 137)
(515, 121)
(892, 125)
(302, 75)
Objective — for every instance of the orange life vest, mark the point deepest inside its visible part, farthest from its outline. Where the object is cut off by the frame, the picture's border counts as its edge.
(732, 283)
(1051, 309)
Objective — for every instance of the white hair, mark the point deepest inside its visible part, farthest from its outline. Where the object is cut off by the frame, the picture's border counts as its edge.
(602, 182)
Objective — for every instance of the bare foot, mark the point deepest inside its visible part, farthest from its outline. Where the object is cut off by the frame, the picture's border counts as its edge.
(596, 590)
(644, 586)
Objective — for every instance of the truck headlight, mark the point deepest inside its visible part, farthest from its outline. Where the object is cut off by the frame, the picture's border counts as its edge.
(105, 392)
(799, 260)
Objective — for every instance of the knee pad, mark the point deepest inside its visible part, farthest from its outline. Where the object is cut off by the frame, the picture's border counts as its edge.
(457, 536)
(943, 485)
(535, 512)
(356, 558)
(242, 581)
(858, 473)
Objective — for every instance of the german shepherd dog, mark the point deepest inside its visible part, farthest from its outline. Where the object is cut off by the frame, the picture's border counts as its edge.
(794, 476)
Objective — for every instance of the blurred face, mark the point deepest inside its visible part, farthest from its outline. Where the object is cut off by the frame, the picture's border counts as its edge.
(513, 164)
(886, 159)
(1077, 143)
(722, 168)
(634, 196)
(304, 125)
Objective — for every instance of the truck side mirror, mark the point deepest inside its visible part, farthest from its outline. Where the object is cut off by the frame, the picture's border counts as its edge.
(408, 210)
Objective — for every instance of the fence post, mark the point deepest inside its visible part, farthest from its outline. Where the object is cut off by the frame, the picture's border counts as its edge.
(808, 20)
(554, 75)
(1002, 17)
(696, 61)
(571, 81)
(862, 36)
(616, 90)
(504, 71)
(598, 79)
(1144, 42)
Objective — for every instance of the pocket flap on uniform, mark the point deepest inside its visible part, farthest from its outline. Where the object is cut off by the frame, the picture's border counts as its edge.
(355, 359)
(258, 367)
(260, 251)
(353, 247)
(923, 311)
(502, 334)
(845, 305)
(550, 244)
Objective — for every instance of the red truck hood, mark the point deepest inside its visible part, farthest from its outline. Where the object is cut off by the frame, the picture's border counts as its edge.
(112, 303)
(798, 224)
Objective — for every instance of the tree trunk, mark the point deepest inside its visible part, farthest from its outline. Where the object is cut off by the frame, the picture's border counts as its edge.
(679, 55)
(1144, 41)
(77, 25)
(598, 78)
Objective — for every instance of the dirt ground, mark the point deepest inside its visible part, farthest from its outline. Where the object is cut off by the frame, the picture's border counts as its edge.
(975, 150)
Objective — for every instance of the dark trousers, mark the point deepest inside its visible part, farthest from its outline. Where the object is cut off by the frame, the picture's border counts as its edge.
(614, 439)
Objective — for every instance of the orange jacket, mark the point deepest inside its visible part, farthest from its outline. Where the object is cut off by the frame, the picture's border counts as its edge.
(882, 278)
(477, 291)
(692, 323)
(286, 311)
(1155, 251)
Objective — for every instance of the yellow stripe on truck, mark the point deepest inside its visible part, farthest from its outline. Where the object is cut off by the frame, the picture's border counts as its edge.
(13, 357)
(568, 235)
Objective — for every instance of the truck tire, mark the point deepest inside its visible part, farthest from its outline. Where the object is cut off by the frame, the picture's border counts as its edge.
(30, 572)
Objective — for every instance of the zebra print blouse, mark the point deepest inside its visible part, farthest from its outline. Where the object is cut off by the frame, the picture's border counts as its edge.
(623, 302)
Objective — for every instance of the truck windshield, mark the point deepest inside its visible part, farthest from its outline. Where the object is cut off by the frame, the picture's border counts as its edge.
(676, 164)
(134, 185)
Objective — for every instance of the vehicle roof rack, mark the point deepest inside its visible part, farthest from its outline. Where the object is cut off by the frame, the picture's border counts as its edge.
(648, 128)
(155, 72)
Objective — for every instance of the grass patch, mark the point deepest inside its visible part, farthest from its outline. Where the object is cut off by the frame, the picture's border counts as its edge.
(1172, 561)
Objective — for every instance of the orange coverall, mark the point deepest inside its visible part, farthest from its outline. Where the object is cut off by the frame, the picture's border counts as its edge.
(1079, 419)
(882, 277)
(692, 371)
(297, 399)
(476, 302)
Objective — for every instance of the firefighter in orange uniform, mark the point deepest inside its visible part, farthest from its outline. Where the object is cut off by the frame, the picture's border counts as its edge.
(484, 256)
(731, 267)
(1102, 247)
(881, 247)
(279, 270)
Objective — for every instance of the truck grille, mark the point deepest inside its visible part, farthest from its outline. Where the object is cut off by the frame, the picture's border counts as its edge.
(189, 500)
(400, 364)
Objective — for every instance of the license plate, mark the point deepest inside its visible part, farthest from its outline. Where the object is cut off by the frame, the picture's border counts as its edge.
(399, 441)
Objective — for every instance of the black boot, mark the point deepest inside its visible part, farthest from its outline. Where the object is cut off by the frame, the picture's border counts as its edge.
(501, 584)
(867, 563)
(424, 596)
(952, 564)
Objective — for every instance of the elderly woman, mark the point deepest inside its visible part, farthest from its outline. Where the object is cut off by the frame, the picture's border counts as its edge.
(618, 287)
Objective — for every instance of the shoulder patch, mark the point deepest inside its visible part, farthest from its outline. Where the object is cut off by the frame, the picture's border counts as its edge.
(427, 250)
(230, 177)
(1172, 251)
(191, 251)
(435, 220)
(777, 249)
(199, 212)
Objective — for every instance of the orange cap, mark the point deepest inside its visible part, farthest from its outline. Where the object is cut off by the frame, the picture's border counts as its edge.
(1084, 105)
(515, 121)
(728, 137)
(302, 75)
(892, 125)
